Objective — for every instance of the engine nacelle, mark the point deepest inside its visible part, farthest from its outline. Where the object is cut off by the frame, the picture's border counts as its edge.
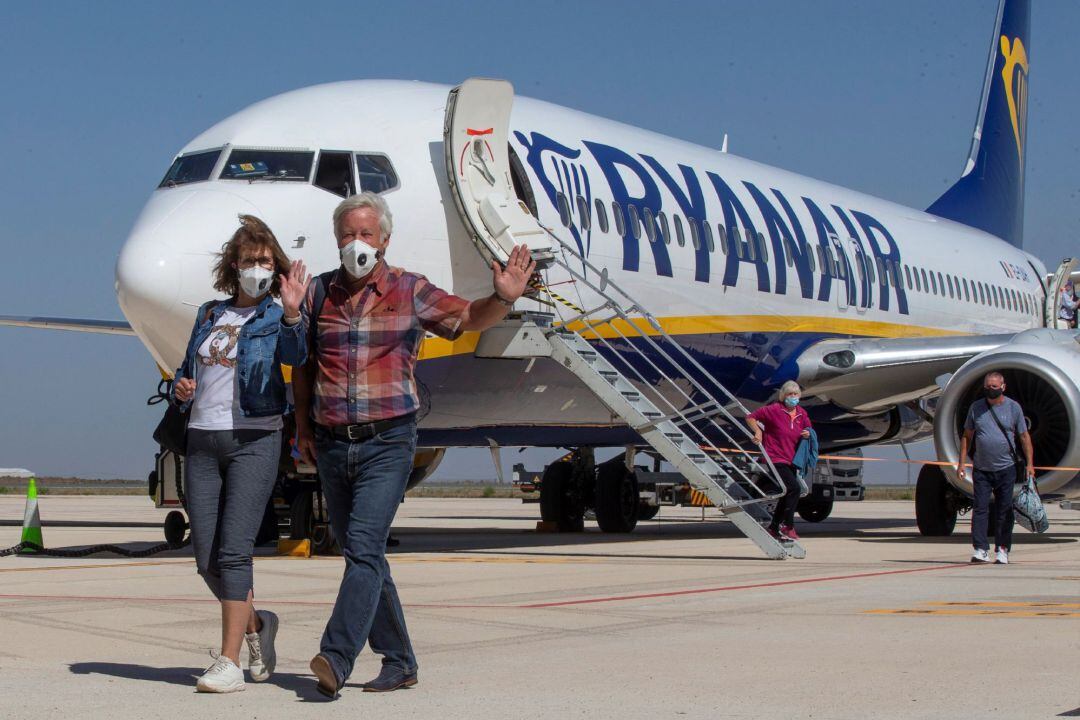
(1041, 369)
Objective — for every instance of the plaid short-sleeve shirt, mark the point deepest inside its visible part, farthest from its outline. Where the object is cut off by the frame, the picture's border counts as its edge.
(366, 350)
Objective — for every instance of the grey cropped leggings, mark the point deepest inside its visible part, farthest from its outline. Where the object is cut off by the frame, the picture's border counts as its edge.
(228, 476)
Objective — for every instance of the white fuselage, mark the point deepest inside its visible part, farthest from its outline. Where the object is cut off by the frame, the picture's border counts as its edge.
(163, 272)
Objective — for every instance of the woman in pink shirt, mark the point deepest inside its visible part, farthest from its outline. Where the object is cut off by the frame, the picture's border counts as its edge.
(778, 427)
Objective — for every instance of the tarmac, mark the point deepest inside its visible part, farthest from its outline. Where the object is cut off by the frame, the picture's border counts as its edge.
(683, 618)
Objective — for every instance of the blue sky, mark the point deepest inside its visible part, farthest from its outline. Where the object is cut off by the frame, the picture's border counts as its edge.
(98, 97)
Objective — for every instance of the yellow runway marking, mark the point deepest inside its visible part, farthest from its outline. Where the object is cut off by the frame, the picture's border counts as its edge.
(1069, 606)
(495, 560)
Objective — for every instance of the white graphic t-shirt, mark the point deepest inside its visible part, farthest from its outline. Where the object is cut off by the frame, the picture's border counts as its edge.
(217, 389)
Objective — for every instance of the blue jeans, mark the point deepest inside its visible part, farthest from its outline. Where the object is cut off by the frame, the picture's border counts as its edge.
(363, 483)
(1000, 482)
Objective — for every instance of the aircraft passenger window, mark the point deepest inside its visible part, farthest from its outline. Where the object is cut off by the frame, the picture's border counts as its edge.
(1014, 304)
(620, 221)
(763, 249)
(193, 167)
(665, 228)
(650, 225)
(997, 297)
(751, 241)
(635, 221)
(788, 252)
(706, 228)
(736, 242)
(584, 214)
(933, 282)
(926, 285)
(941, 284)
(564, 209)
(376, 173)
(723, 238)
(918, 283)
(822, 262)
(894, 273)
(810, 260)
(948, 281)
(601, 216)
(695, 235)
(982, 294)
(680, 235)
(334, 173)
(277, 165)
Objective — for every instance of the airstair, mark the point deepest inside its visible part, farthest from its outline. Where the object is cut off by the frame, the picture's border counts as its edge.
(610, 342)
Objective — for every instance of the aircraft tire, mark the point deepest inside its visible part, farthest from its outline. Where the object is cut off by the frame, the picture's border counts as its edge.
(934, 513)
(175, 527)
(557, 502)
(617, 500)
(814, 511)
(303, 525)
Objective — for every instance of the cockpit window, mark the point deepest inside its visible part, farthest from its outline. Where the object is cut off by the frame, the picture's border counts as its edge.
(288, 165)
(375, 172)
(192, 167)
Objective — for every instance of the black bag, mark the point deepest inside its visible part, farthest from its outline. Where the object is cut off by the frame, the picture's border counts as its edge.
(171, 432)
(1018, 462)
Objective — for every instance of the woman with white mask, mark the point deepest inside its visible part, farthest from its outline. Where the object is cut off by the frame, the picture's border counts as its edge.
(232, 384)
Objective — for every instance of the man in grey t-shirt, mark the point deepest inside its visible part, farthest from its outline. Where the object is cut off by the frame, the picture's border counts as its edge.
(1000, 431)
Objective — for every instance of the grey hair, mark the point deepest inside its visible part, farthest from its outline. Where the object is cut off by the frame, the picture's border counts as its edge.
(993, 375)
(366, 199)
(789, 387)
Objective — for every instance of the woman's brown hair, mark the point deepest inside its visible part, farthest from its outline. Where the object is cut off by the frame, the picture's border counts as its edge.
(252, 234)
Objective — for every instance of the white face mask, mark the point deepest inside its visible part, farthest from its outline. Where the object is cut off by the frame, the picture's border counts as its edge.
(255, 281)
(359, 258)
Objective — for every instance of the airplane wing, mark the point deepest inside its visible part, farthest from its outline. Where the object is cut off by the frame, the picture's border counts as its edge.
(873, 374)
(106, 327)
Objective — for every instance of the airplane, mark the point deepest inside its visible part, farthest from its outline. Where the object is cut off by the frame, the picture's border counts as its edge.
(887, 316)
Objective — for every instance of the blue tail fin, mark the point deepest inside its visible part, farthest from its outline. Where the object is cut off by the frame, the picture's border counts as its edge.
(990, 193)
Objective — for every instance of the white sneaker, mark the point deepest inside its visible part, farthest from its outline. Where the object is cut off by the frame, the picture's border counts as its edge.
(980, 556)
(262, 657)
(1002, 557)
(222, 677)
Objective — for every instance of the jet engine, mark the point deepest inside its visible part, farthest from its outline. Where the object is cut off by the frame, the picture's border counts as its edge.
(1041, 369)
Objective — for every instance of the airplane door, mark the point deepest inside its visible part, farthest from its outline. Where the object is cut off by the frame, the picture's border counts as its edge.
(476, 142)
(843, 272)
(1053, 293)
(860, 281)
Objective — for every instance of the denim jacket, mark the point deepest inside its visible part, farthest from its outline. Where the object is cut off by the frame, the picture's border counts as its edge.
(264, 344)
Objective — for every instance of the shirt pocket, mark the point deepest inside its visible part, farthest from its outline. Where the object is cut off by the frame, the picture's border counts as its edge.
(387, 329)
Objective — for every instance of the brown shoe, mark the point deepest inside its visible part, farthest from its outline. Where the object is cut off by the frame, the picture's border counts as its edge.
(391, 678)
(329, 685)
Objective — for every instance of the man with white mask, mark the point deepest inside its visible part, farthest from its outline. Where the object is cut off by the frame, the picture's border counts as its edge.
(356, 406)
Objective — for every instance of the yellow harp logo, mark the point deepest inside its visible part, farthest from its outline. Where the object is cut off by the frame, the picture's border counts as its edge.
(1014, 74)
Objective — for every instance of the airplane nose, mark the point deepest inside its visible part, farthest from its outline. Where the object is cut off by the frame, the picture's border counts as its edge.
(163, 273)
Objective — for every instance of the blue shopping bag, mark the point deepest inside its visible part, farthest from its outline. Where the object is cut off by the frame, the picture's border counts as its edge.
(1028, 507)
